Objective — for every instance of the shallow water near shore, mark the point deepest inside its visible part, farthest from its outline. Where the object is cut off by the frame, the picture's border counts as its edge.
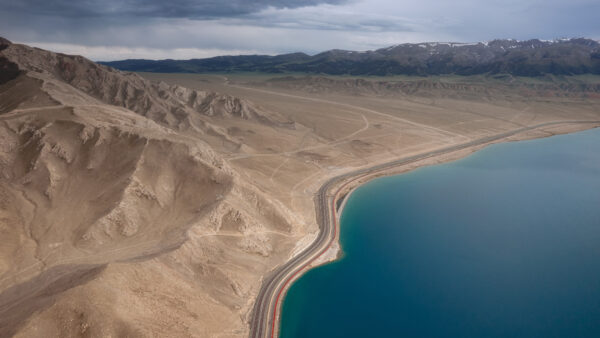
(503, 243)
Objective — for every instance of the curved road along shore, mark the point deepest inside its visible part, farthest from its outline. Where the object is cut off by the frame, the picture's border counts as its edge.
(265, 312)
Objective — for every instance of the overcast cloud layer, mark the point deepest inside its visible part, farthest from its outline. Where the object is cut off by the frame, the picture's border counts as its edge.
(182, 29)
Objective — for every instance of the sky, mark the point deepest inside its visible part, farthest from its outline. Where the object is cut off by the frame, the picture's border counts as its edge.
(104, 30)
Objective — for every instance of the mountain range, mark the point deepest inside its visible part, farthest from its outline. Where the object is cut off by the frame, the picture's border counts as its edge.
(520, 58)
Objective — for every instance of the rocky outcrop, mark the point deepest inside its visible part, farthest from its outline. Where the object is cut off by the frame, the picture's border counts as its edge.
(108, 190)
(170, 105)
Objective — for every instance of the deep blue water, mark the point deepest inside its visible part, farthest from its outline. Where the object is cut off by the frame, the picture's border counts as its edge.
(503, 243)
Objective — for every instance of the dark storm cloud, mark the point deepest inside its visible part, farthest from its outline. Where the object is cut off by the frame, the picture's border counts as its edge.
(201, 9)
(117, 29)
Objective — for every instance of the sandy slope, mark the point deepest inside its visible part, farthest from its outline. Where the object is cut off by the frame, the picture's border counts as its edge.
(132, 207)
(117, 218)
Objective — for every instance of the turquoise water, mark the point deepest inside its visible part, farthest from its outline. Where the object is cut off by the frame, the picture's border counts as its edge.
(503, 243)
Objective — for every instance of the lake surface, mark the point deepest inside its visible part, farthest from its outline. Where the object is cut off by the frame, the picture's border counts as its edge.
(503, 243)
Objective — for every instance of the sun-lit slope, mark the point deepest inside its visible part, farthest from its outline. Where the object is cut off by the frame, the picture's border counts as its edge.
(171, 105)
(117, 218)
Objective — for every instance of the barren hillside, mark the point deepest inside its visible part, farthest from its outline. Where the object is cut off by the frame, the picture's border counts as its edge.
(112, 204)
(458, 88)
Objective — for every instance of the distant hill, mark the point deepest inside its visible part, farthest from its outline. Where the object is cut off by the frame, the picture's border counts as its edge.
(520, 58)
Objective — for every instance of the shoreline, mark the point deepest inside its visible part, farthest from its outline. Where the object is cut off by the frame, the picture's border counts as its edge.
(460, 154)
(345, 184)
